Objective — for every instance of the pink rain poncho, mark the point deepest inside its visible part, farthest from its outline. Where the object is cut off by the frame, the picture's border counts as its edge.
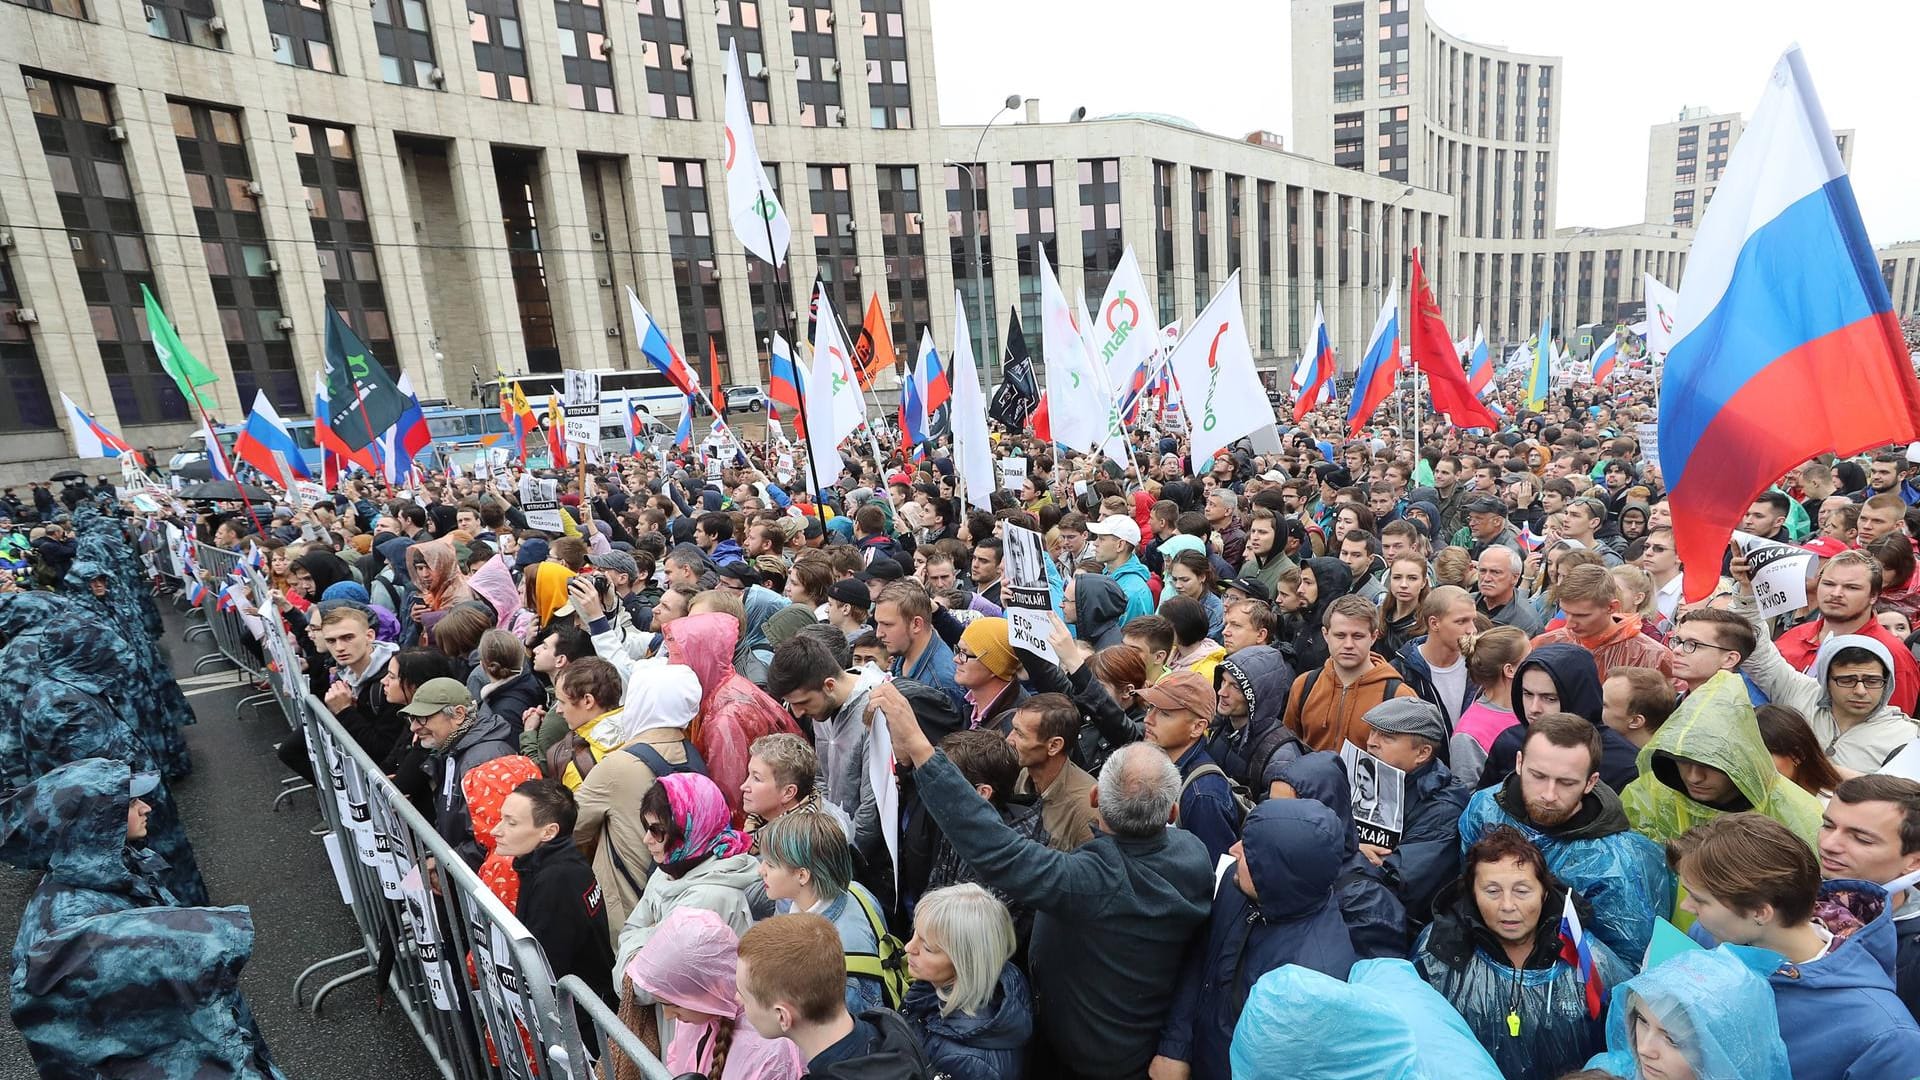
(689, 963)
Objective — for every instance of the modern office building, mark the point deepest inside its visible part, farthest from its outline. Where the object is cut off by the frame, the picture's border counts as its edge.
(1379, 87)
(1686, 156)
(1900, 267)
(475, 185)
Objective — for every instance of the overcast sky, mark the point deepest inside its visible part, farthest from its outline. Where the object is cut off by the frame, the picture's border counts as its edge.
(1629, 64)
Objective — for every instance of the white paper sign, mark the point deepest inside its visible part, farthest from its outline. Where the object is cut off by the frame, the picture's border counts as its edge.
(1379, 797)
(1013, 473)
(418, 911)
(580, 399)
(1649, 436)
(1779, 573)
(540, 501)
(1024, 595)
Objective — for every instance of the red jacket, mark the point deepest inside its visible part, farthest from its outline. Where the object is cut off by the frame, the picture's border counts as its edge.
(1801, 644)
(735, 711)
(1624, 645)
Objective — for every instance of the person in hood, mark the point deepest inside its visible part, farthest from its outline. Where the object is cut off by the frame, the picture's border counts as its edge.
(1706, 1008)
(1556, 799)
(1265, 558)
(1115, 541)
(733, 711)
(1360, 552)
(1322, 581)
(1707, 760)
(107, 600)
(1095, 606)
(459, 738)
(1250, 700)
(1559, 678)
(1590, 600)
(1390, 1024)
(108, 969)
(1749, 881)
(493, 582)
(1493, 951)
(1327, 703)
(968, 1004)
(790, 973)
(1847, 700)
(486, 788)
(439, 582)
(689, 968)
(1376, 919)
(1274, 906)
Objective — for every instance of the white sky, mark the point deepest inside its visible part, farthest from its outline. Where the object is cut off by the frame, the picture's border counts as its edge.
(1629, 64)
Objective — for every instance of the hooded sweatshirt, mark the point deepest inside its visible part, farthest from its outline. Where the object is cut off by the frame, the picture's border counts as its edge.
(1714, 726)
(1712, 994)
(107, 969)
(1595, 852)
(1574, 676)
(1264, 677)
(1622, 645)
(1292, 849)
(1309, 639)
(1325, 713)
(1376, 920)
(1862, 747)
(1131, 576)
(735, 712)
(1100, 606)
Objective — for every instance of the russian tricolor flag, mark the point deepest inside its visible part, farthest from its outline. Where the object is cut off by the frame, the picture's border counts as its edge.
(783, 386)
(90, 440)
(1578, 955)
(1374, 381)
(636, 425)
(265, 435)
(913, 400)
(658, 350)
(1479, 364)
(1313, 377)
(1785, 344)
(1606, 357)
(683, 435)
(408, 436)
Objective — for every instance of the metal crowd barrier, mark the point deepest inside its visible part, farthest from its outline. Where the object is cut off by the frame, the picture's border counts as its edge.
(471, 979)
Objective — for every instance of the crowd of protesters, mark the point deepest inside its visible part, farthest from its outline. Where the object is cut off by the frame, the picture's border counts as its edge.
(1334, 749)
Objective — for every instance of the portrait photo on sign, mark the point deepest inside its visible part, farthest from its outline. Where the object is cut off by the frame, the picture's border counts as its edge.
(1379, 797)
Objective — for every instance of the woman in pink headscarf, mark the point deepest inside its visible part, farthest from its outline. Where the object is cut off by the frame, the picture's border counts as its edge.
(688, 967)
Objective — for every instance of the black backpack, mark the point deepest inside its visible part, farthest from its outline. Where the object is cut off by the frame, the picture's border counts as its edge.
(661, 767)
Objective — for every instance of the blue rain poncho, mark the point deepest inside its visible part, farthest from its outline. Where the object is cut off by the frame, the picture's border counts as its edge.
(1719, 1011)
(1383, 1023)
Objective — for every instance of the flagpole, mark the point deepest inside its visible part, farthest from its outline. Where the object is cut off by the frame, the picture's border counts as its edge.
(786, 321)
(226, 463)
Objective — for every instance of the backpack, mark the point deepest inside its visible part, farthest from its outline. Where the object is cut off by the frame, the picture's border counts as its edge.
(1242, 798)
(660, 767)
(888, 961)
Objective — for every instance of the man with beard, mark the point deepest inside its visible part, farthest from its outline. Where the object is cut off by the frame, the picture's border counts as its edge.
(1557, 800)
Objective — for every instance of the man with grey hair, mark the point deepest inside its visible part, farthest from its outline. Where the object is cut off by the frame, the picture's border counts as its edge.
(1223, 517)
(1112, 917)
(688, 565)
(1501, 598)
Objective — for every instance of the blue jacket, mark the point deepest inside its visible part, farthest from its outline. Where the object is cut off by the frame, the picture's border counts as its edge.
(1578, 680)
(1207, 809)
(1292, 851)
(1429, 853)
(1621, 873)
(1131, 576)
(164, 709)
(107, 970)
(1715, 996)
(1383, 1022)
(990, 1045)
(1376, 919)
(1839, 1015)
(935, 669)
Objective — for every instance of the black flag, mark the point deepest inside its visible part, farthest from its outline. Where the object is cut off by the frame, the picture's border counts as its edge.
(1019, 392)
(362, 400)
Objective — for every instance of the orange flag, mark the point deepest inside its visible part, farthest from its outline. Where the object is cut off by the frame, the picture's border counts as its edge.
(713, 367)
(873, 348)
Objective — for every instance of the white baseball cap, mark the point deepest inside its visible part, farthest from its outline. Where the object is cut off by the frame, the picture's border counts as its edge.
(1118, 525)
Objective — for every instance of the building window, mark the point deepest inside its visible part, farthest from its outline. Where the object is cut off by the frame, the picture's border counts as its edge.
(1033, 226)
(1263, 253)
(240, 265)
(1163, 234)
(889, 98)
(978, 294)
(1392, 140)
(1350, 140)
(1100, 244)
(337, 208)
(582, 26)
(1395, 56)
(816, 70)
(90, 182)
(1236, 219)
(24, 402)
(904, 247)
(739, 24)
(703, 331)
(1293, 264)
(1202, 234)
(404, 35)
(1343, 224)
(831, 200)
(300, 37)
(516, 175)
(73, 9)
(183, 21)
(663, 52)
(498, 50)
(1349, 52)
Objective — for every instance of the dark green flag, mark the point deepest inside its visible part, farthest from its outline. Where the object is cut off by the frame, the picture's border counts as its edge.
(362, 401)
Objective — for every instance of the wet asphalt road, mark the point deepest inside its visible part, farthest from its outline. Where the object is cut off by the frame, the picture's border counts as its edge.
(268, 862)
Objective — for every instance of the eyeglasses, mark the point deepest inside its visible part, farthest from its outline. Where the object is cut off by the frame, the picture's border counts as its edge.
(656, 831)
(1871, 682)
(1689, 646)
(962, 654)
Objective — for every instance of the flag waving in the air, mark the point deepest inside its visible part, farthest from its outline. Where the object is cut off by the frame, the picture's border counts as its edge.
(1433, 353)
(753, 206)
(1374, 381)
(1313, 375)
(266, 435)
(363, 399)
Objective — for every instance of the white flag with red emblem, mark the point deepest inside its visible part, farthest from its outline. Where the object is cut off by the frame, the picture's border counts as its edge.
(1219, 388)
(752, 204)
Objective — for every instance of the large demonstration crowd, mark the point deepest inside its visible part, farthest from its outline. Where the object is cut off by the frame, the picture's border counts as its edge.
(1350, 760)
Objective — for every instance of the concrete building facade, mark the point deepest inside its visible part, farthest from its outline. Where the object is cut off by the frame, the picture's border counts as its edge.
(1900, 268)
(1686, 157)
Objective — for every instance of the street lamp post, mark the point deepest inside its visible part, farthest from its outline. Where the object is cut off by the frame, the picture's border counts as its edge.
(1014, 101)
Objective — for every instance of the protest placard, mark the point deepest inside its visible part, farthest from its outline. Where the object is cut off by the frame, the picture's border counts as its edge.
(540, 501)
(1024, 594)
(1379, 797)
(1779, 573)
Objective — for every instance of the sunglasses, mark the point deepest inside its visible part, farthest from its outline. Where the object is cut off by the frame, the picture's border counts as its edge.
(656, 831)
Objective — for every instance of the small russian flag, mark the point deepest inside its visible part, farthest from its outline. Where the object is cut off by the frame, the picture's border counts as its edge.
(1527, 538)
(1579, 956)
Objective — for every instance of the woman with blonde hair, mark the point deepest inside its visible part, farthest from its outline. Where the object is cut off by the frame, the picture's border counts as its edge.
(1636, 592)
(1493, 657)
(968, 1003)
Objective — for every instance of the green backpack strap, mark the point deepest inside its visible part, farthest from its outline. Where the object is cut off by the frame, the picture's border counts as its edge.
(889, 963)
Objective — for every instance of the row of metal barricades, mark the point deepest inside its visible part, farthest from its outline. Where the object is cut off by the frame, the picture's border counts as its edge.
(436, 940)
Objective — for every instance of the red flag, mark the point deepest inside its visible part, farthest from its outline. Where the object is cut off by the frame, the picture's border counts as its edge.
(713, 368)
(1042, 424)
(1433, 353)
(556, 433)
(873, 348)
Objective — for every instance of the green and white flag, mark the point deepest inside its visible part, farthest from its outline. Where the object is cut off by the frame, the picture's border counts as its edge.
(753, 206)
(186, 371)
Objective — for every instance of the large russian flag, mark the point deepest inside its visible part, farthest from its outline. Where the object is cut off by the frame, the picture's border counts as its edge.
(1785, 344)
(1313, 377)
(90, 439)
(658, 350)
(1374, 381)
(264, 435)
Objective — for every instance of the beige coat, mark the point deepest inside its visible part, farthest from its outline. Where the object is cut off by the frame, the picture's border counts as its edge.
(609, 822)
